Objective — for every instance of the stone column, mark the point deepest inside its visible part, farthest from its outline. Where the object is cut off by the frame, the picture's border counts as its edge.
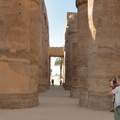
(66, 83)
(46, 54)
(82, 44)
(35, 43)
(72, 31)
(104, 57)
(42, 86)
(40, 61)
(68, 55)
(15, 90)
(44, 75)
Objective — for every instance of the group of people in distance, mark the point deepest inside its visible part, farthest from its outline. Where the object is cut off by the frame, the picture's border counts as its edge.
(52, 81)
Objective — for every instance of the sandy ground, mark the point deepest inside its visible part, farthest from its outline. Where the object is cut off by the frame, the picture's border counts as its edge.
(55, 104)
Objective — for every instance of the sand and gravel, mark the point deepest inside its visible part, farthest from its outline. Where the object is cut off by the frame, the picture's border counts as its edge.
(55, 104)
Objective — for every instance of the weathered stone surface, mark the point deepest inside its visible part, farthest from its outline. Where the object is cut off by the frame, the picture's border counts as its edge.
(34, 40)
(80, 2)
(95, 101)
(16, 101)
(14, 46)
(104, 44)
(70, 38)
(44, 60)
(21, 31)
(72, 32)
(103, 55)
(82, 45)
(75, 91)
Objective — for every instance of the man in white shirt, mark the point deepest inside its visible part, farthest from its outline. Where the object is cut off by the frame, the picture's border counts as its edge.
(116, 92)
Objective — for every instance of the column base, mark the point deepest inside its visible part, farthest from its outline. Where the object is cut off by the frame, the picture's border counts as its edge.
(18, 100)
(75, 92)
(95, 101)
(42, 88)
(67, 86)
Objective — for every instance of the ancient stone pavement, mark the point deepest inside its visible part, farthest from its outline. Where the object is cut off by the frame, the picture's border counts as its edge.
(55, 104)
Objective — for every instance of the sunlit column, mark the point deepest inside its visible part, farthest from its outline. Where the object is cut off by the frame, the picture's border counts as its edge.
(103, 61)
(68, 53)
(82, 44)
(43, 50)
(72, 31)
(15, 80)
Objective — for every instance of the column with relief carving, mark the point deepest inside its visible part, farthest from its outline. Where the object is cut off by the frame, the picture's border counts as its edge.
(15, 90)
(68, 51)
(43, 82)
(103, 57)
(72, 31)
(82, 44)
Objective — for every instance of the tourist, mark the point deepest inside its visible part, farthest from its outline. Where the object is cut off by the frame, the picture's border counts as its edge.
(60, 82)
(113, 100)
(52, 82)
(116, 92)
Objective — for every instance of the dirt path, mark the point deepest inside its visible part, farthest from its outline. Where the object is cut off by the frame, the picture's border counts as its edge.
(55, 104)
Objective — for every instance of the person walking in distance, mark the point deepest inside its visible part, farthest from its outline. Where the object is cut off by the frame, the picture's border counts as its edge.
(116, 92)
(52, 82)
(60, 82)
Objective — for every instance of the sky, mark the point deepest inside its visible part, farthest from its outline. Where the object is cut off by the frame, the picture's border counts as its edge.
(57, 18)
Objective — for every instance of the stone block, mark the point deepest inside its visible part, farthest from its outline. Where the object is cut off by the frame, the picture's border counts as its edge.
(95, 101)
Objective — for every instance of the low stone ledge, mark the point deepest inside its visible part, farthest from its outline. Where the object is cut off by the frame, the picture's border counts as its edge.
(20, 100)
(95, 101)
(75, 92)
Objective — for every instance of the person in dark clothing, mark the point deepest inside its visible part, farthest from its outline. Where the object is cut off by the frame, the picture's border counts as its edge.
(52, 82)
(60, 82)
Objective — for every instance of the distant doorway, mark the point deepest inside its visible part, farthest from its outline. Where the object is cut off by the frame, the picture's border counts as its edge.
(55, 71)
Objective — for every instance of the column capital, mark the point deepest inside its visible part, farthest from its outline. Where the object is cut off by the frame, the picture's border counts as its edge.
(80, 2)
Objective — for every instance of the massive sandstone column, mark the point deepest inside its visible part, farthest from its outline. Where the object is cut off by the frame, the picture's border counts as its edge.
(15, 79)
(82, 44)
(46, 45)
(43, 66)
(35, 42)
(47, 69)
(40, 76)
(104, 51)
(72, 32)
(68, 53)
